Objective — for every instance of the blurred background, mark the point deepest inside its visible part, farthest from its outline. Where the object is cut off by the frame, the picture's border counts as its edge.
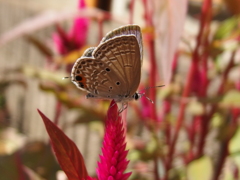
(191, 47)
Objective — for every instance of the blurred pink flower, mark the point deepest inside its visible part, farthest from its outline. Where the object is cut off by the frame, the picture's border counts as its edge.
(76, 38)
(113, 160)
(146, 109)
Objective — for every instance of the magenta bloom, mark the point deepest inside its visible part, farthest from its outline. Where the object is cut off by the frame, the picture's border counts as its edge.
(76, 38)
(113, 160)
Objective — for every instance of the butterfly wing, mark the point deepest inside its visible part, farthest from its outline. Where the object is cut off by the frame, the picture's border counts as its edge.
(112, 70)
(122, 56)
(127, 30)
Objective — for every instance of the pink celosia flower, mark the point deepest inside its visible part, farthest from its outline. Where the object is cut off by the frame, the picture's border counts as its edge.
(113, 160)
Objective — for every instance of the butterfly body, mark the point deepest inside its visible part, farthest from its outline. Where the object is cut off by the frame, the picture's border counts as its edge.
(112, 70)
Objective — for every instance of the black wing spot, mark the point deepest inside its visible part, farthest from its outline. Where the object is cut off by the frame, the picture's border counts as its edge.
(78, 78)
(118, 83)
(81, 85)
(110, 87)
(107, 69)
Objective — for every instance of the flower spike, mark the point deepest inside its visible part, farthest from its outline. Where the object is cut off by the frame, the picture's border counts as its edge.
(113, 160)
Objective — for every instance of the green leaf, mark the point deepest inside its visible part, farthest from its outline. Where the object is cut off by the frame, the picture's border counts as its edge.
(226, 28)
(44, 74)
(228, 174)
(234, 145)
(231, 99)
(217, 120)
(200, 169)
(195, 108)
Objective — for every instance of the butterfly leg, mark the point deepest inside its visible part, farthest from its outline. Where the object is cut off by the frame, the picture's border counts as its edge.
(124, 106)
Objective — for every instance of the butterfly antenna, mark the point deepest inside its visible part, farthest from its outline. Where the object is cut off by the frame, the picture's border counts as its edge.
(151, 87)
(148, 98)
(143, 94)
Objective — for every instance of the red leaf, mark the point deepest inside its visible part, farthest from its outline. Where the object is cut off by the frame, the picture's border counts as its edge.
(67, 153)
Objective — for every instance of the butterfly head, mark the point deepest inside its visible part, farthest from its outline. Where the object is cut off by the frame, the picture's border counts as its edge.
(137, 96)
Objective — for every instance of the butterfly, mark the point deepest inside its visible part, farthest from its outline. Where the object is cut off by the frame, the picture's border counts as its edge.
(112, 70)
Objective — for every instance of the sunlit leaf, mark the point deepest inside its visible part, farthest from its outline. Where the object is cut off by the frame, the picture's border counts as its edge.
(234, 145)
(200, 169)
(227, 174)
(195, 108)
(217, 120)
(231, 99)
(227, 28)
(67, 153)
(44, 74)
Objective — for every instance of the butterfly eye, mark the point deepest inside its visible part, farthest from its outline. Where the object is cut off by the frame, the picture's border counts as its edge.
(136, 96)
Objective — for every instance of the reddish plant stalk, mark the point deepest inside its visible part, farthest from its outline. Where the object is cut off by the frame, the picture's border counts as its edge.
(186, 92)
(153, 71)
(235, 172)
(222, 157)
(58, 110)
(17, 158)
(166, 110)
(214, 107)
(192, 131)
(187, 89)
(152, 57)
(232, 127)
(152, 80)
